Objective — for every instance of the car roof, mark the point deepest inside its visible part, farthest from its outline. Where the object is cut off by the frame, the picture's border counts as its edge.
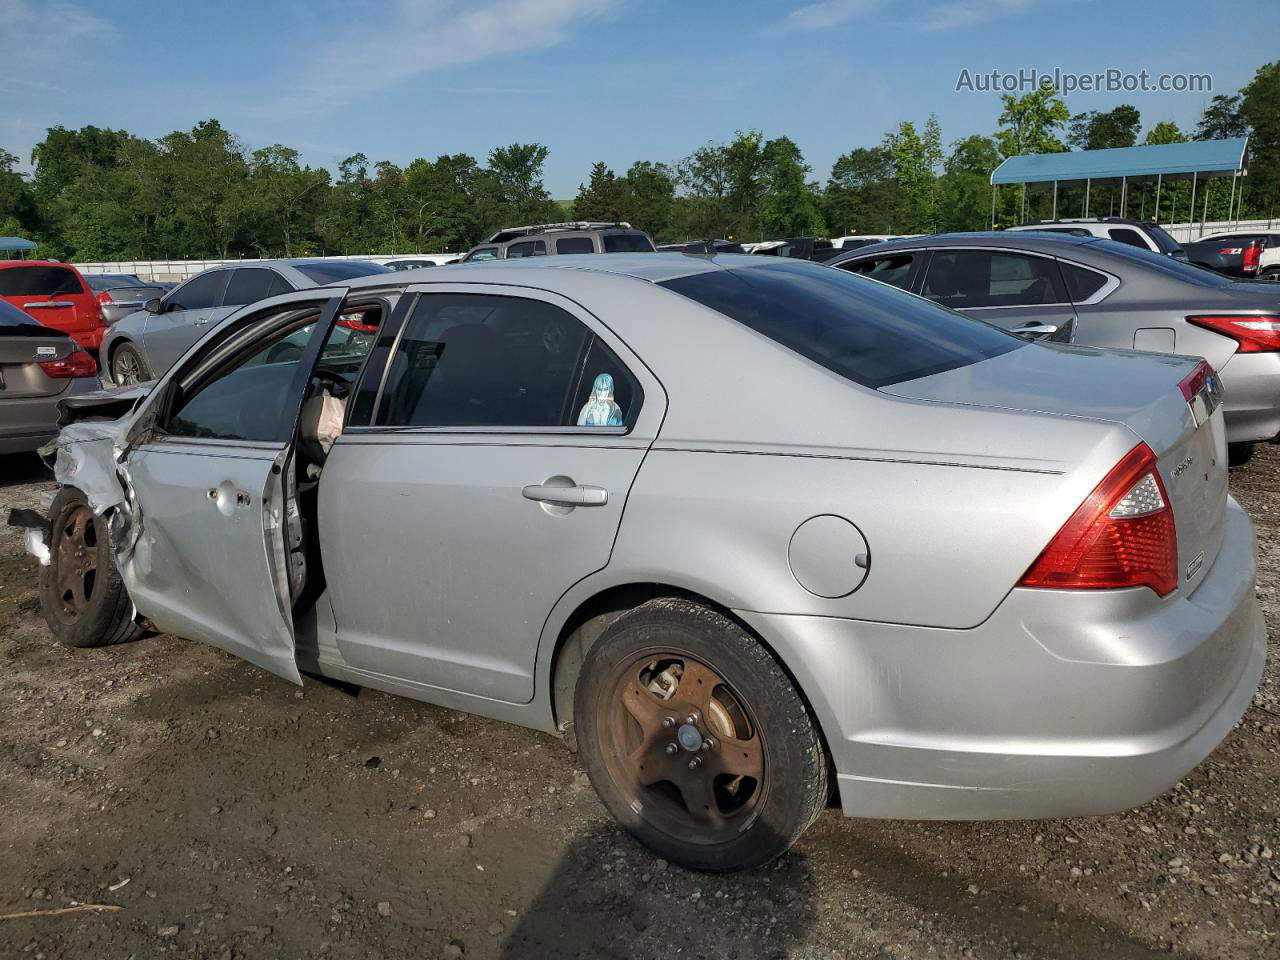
(653, 267)
(1029, 239)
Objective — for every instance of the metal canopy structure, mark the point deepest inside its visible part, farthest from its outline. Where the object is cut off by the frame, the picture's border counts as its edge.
(1195, 160)
(10, 244)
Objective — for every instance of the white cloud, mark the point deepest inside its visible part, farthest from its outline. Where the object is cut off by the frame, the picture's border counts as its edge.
(407, 38)
(935, 15)
(36, 40)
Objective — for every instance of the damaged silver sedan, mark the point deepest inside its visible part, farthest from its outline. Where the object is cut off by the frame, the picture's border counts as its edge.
(753, 534)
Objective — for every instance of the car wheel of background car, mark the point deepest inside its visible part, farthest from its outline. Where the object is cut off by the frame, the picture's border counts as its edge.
(82, 596)
(1273, 275)
(1238, 454)
(127, 366)
(695, 738)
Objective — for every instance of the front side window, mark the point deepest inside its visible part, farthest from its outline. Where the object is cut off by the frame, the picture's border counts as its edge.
(531, 248)
(894, 270)
(865, 332)
(575, 245)
(200, 292)
(249, 398)
(963, 279)
(472, 360)
(38, 282)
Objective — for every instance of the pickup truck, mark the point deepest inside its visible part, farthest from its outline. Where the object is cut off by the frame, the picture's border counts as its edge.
(1253, 255)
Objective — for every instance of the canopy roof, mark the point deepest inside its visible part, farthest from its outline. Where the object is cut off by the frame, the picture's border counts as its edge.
(1170, 160)
(16, 243)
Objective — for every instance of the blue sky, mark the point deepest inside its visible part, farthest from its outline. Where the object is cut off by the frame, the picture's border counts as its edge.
(611, 80)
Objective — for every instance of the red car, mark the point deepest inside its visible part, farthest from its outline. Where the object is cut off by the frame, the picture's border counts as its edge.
(56, 295)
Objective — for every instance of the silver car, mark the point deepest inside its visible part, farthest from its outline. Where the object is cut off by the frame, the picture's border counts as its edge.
(145, 343)
(750, 531)
(1106, 294)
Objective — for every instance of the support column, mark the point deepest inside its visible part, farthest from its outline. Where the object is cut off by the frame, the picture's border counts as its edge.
(1087, 185)
(993, 206)
(1159, 177)
(1191, 217)
(1055, 200)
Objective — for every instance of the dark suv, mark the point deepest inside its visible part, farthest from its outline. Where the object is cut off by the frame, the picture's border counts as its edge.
(549, 239)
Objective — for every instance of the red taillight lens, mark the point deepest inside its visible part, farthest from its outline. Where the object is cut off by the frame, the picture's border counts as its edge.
(355, 321)
(78, 364)
(1121, 536)
(104, 297)
(1195, 381)
(1253, 254)
(1254, 334)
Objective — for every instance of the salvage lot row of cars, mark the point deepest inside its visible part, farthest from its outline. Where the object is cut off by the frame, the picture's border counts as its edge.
(678, 508)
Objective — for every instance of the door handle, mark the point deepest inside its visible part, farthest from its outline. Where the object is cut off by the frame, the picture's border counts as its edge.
(1036, 330)
(578, 495)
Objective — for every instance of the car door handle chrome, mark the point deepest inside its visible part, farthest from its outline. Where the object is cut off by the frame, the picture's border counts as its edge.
(1036, 329)
(578, 495)
(47, 304)
(200, 321)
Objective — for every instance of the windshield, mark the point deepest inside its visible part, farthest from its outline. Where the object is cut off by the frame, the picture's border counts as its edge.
(334, 270)
(868, 332)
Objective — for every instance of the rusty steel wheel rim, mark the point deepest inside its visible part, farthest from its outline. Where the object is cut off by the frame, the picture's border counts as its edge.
(75, 573)
(688, 758)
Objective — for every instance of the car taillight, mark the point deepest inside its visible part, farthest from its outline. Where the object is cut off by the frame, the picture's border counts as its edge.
(1121, 536)
(1249, 263)
(78, 364)
(104, 296)
(1256, 334)
(355, 321)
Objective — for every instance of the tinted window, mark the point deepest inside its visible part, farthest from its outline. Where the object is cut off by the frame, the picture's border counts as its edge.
(1131, 237)
(1164, 241)
(250, 399)
(249, 285)
(1081, 282)
(200, 292)
(530, 248)
(894, 270)
(38, 282)
(863, 331)
(627, 243)
(575, 245)
(108, 281)
(484, 253)
(468, 360)
(991, 278)
(331, 271)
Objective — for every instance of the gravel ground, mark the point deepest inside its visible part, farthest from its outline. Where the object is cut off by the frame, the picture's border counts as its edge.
(228, 814)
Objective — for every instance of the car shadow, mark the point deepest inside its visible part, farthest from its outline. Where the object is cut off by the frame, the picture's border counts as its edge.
(20, 468)
(609, 897)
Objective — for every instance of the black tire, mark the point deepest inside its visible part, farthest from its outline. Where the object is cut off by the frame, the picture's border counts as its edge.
(1272, 274)
(769, 720)
(82, 597)
(128, 366)
(1238, 454)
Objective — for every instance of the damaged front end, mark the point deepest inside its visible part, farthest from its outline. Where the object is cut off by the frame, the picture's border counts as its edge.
(97, 431)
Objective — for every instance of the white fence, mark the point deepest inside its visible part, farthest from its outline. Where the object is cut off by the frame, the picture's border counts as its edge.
(175, 271)
(1188, 232)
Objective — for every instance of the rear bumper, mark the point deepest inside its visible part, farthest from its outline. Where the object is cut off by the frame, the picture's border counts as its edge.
(29, 423)
(1063, 703)
(1251, 402)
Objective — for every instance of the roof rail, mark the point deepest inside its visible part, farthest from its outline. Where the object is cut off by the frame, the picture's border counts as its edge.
(510, 233)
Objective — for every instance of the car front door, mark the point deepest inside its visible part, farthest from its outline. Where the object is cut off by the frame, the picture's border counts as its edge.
(1022, 292)
(487, 477)
(184, 319)
(210, 482)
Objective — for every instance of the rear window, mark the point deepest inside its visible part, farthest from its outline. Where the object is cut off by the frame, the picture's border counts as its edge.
(109, 281)
(627, 243)
(866, 332)
(336, 270)
(38, 282)
(1177, 269)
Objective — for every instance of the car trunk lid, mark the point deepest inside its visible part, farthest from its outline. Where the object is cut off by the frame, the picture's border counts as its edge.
(21, 375)
(1143, 392)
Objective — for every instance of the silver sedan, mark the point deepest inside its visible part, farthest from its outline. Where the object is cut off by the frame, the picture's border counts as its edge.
(751, 532)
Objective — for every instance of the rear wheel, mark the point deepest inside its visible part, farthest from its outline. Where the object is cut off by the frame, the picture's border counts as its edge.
(1238, 454)
(82, 597)
(127, 366)
(696, 740)
(1272, 274)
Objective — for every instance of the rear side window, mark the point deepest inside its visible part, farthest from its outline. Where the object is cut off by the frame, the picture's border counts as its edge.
(473, 360)
(38, 282)
(965, 279)
(575, 245)
(200, 292)
(250, 285)
(862, 331)
(1082, 283)
(1132, 237)
(894, 270)
(627, 243)
(531, 248)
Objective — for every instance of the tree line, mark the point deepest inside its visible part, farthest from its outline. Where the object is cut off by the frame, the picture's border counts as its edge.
(102, 194)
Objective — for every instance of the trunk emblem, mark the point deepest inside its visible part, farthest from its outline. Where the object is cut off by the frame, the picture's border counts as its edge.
(1182, 468)
(46, 351)
(1194, 566)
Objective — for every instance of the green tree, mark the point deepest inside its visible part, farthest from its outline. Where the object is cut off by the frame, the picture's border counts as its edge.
(603, 197)
(1223, 119)
(651, 189)
(517, 173)
(1166, 131)
(17, 202)
(790, 206)
(702, 211)
(1030, 123)
(286, 197)
(916, 157)
(1095, 130)
(862, 195)
(964, 188)
(1260, 108)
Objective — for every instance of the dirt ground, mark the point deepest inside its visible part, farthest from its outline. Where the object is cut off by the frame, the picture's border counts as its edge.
(229, 814)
